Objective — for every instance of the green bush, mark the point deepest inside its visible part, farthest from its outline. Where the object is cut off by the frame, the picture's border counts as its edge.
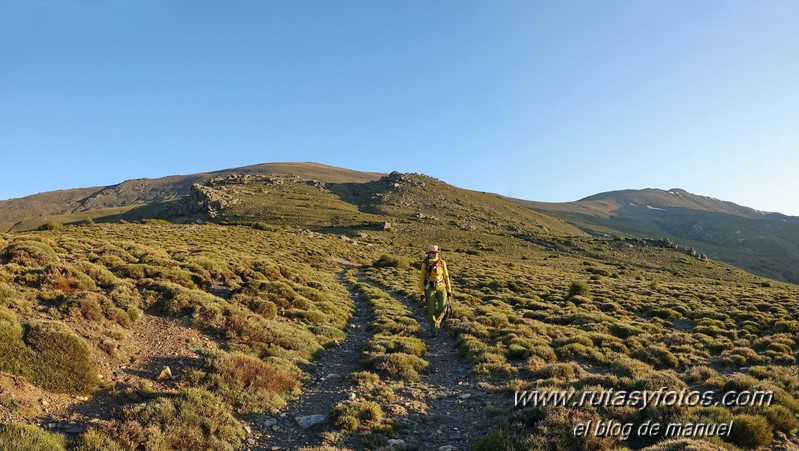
(60, 359)
(25, 437)
(781, 419)
(94, 440)
(495, 440)
(658, 356)
(382, 344)
(353, 415)
(193, 420)
(29, 253)
(750, 431)
(579, 289)
(400, 366)
(51, 226)
(14, 355)
(392, 261)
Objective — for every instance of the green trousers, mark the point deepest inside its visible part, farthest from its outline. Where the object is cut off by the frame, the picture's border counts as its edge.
(436, 305)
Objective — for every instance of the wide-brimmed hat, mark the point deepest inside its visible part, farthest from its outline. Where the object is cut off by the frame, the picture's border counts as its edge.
(432, 248)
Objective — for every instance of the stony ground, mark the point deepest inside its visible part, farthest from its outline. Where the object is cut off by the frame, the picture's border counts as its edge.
(446, 407)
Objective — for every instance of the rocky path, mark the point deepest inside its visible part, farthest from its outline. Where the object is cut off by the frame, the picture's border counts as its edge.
(456, 416)
(296, 427)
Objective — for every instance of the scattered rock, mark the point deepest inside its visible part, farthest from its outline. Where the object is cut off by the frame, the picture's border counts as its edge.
(75, 430)
(446, 448)
(247, 429)
(165, 373)
(268, 422)
(307, 421)
(465, 396)
(387, 226)
(479, 394)
(395, 442)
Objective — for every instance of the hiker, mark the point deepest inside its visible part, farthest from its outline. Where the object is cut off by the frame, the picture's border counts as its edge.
(435, 287)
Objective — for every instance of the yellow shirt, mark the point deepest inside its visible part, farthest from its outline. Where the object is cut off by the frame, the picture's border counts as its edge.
(438, 275)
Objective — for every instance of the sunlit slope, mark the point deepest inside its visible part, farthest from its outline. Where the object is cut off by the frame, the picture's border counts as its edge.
(141, 198)
(766, 243)
(399, 199)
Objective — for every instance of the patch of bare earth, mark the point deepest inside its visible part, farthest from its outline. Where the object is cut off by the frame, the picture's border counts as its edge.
(154, 343)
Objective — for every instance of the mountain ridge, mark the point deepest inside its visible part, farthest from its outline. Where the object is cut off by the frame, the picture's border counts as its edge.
(761, 242)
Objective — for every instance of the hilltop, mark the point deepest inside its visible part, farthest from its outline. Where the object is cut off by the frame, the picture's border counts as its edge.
(143, 198)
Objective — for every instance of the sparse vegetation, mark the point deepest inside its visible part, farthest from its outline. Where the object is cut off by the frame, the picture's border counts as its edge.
(193, 420)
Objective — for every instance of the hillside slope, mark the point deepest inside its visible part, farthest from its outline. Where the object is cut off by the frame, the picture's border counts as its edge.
(142, 198)
(764, 243)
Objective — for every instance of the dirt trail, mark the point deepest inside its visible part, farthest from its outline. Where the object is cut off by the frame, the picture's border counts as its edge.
(329, 386)
(455, 413)
(456, 406)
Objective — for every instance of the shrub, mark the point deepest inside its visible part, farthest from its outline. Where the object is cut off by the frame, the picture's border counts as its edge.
(382, 344)
(781, 419)
(29, 253)
(60, 359)
(94, 440)
(253, 374)
(553, 430)
(14, 356)
(564, 371)
(684, 444)
(579, 289)
(658, 356)
(750, 431)
(665, 313)
(495, 440)
(193, 420)
(392, 261)
(249, 384)
(353, 415)
(365, 379)
(15, 436)
(578, 350)
(51, 226)
(400, 366)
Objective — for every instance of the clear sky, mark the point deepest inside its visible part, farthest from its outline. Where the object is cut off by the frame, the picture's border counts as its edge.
(543, 100)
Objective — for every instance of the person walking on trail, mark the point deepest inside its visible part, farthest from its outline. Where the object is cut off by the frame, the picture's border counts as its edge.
(435, 287)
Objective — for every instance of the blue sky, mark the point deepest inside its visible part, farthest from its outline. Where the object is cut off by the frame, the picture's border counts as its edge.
(543, 100)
